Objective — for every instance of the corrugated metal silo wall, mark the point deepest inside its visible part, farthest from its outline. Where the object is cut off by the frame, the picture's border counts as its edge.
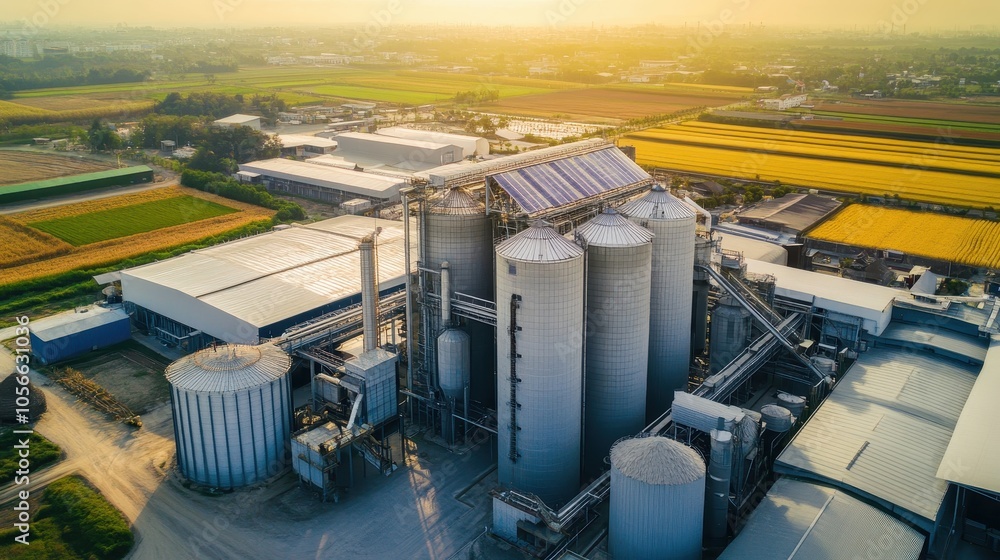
(618, 292)
(655, 521)
(550, 370)
(730, 329)
(232, 439)
(670, 311)
(466, 243)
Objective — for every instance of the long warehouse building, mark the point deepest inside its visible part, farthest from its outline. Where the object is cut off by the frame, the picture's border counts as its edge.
(255, 288)
(321, 182)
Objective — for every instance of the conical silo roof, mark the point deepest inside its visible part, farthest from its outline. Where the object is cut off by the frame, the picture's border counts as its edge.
(611, 229)
(657, 460)
(457, 202)
(658, 204)
(539, 243)
(228, 368)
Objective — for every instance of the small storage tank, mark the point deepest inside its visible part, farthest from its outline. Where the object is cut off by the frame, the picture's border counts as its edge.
(539, 363)
(776, 418)
(657, 500)
(619, 254)
(826, 365)
(796, 405)
(232, 414)
(454, 370)
(730, 332)
(673, 225)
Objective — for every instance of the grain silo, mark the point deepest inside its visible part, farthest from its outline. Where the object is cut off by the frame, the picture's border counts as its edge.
(673, 225)
(232, 413)
(730, 332)
(457, 231)
(539, 293)
(657, 500)
(618, 262)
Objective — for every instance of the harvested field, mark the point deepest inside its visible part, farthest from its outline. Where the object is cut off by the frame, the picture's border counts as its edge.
(963, 112)
(24, 167)
(114, 250)
(23, 244)
(613, 103)
(935, 236)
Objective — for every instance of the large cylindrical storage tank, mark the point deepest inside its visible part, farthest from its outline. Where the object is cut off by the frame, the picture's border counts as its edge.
(457, 231)
(673, 225)
(618, 261)
(730, 331)
(657, 500)
(232, 413)
(539, 290)
(699, 317)
(453, 363)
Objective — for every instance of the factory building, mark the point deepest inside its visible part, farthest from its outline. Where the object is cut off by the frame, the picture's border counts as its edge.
(471, 145)
(255, 288)
(396, 152)
(322, 182)
(304, 146)
(238, 120)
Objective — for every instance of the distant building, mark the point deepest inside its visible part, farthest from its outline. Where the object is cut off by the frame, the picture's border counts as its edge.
(785, 102)
(236, 120)
(305, 146)
(471, 145)
(792, 213)
(323, 182)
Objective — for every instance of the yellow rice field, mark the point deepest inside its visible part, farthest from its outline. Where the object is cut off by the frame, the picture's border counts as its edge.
(936, 236)
(27, 253)
(927, 172)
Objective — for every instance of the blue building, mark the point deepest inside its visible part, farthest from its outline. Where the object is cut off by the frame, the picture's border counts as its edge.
(67, 335)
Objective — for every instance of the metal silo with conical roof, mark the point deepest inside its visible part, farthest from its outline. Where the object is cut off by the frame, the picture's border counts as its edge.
(457, 231)
(619, 259)
(232, 413)
(657, 500)
(673, 225)
(539, 291)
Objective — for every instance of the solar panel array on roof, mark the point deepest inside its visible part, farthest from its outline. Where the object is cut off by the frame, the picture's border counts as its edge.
(551, 184)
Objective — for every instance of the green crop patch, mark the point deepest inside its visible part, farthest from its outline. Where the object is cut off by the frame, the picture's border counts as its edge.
(130, 220)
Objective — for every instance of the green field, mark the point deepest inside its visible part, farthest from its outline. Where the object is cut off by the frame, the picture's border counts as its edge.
(129, 220)
(43, 452)
(71, 520)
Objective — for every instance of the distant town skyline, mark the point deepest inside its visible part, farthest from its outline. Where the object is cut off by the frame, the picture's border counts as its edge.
(915, 15)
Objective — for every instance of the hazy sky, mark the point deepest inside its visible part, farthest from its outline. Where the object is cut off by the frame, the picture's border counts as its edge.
(916, 14)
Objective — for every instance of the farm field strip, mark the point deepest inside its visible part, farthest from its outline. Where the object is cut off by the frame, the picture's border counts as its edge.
(948, 238)
(965, 113)
(984, 166)
(25, 166)
(614, 103)
(113, 250)
(129, 220)
(22, 244)
(916, 184)
(873, 129)
(962, 125)
(777, 135)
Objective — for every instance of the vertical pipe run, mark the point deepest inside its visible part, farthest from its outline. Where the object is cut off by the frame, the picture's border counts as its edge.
(445, 295)
(720, 470)
(409, 294)
(369, 292)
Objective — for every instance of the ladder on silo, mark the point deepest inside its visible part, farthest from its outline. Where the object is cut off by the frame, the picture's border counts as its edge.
(513, 329)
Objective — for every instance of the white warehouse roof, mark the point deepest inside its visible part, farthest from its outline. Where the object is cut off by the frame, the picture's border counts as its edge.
(471, 145)
(970, 459)
(804, 521)
(296, 140)
(870, 302)
(232, 291)
(356, 139)
(883, 431)
(238, 119)
(345, 180)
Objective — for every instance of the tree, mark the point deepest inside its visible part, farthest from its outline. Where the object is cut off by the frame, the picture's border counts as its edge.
(752, 194)
(101, 138)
